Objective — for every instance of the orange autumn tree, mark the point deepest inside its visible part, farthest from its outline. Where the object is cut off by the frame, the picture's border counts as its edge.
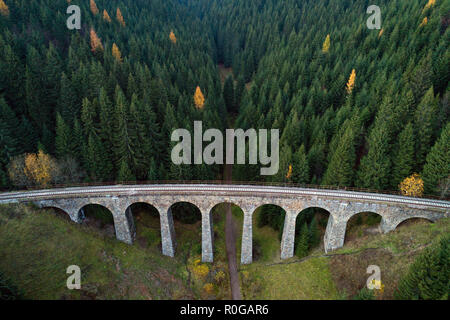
(424, 22)
(94, 8)
(116, 53)
(4, 10)
(326, 44)
(40, 168)
(96, 43)
(351, 82)
(430, 4)
(172, 37)
(106, 16)
(199, 99)
(412, 186)
(120, 17)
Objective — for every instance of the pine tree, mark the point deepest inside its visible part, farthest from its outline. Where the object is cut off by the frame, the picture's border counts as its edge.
(120, 137)
(302, 246)
(119, 17)
(94, 8)
(403, 163)
(436, 172)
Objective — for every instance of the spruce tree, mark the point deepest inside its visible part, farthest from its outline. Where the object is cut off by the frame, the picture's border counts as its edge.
(403, 163)
(302, 246)
(436, 172)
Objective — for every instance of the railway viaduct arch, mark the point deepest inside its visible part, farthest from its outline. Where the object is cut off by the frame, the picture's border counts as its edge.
(341, 205)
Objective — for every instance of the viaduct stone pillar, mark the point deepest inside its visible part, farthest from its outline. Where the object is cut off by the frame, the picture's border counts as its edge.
(335, 233)
(247, 236)
(124, 225)
(207, 236)
(288, 238)
(167, 231)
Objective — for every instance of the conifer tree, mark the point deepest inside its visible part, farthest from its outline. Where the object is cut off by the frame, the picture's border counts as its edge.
(340, 171)
(4, 10)
(351, 82)
(374, 171)
(314, 233)
(403, 163)
(228, 94)
(300, 166)
(119, 17)
(436, 172)
(106, 16)
(172, 37)
(326, 45)
(199, 99)
(425, 119)
(116, 53)
(96, 43)
(302, 246)
(63, 141)
(94, 8)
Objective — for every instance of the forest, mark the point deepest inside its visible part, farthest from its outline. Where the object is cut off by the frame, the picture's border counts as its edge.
(355, 107)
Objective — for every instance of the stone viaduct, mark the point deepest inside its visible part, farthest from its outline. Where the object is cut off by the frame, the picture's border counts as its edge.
(341, 206)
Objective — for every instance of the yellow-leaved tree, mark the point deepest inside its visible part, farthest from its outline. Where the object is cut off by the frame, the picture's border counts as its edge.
(119, 17)
(424, 22)
(4, 10)
(289, 173)
(326, 44)
(96, 43)
(106, 16)
(116, 53)
(94, 8)
(40, 168)
(412, 186)
(199, 99)
(381, 33)
(351, 82)
(172, 37)
(430, 4)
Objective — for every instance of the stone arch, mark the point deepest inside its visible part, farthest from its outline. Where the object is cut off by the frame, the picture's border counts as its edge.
(322, 222)
(412, 218)
(273, 214)
(208, 228)
(140, 210)
(374, 221)
(61, 212)
(103, 219)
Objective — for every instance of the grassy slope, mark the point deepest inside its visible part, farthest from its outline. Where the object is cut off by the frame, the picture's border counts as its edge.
(36, 247)
(340, 274)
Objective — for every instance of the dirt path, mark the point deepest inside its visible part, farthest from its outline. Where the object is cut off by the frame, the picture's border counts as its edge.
(230, 241)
